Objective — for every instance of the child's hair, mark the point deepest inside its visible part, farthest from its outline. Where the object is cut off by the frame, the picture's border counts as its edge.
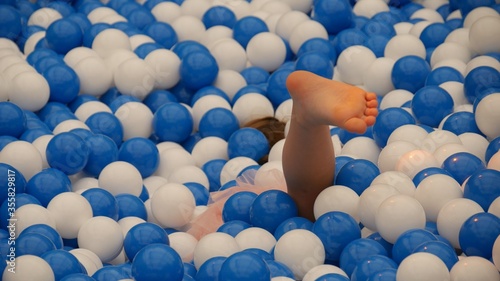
(272, 128)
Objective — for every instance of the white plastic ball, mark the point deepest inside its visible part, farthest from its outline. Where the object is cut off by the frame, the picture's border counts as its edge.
(494, 207)
(173, 205)
(477, 14)
(127, 223)
(84, 183)
(214, 34)
(99, 13)
(206, 103)
(482, 61)
(233, 167)
(299, 5)
(112, 19)
(188, 28)
(31, 42)
(475, 144)
(361, 148)
(270, 174)
(284, 111)
(316, 272)
(377, 78)
(474, 268)
(103, 236)
(171, 159)
(461, 37)
(88, 259)
(209, 148)
(30, 91)
(184, 244)
(215, 244)
(484, 33)
(398, 214)
(403, 28)
(304, 31)
(276, 152)
(422, 266)
(121, 177)
(452, 216)
(445, 151)
(391, 154)
(110, 40)
(186, 174)
(70, 211)
(95, 77)
(136, 119)
(456, 91)
(74, 56)
(496, 253)
(114, 60)
(229, 54)
(409, 133)
(282, 278)
(288, 21)
(427, 14)
(369, 8)
(354, 62)
(4, 88)
(400, 181)
(165, 65)
(12, 71)
(395, 98)
(41, 145)
(276, 7)
(300, 250)
(255, 238)
(44, 17)
(266, 50)
(415, 161)
(28, 267)
(456, 64)
(135, 77)
(450, 50)
(337, 198)
(418, 27)
(84, 111)
(167, 145)
(370, 200)
(23, 156)
(68, 125)
(251, 107)
(166, 12)
(404, 45)
(30, 214)
(494, 163)
(457, 14)
(139, 39)
(230, 82)
(196, 8)
(438, 138)
(486, 115)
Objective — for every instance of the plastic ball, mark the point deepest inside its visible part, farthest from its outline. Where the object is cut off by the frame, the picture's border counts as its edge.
(352, 62)
(62, 263)
(103, 151)
(356, 251)
(315, 62)
(255, 238)
(291, 224)
(210, 269)
(474, 267)
(478, 233)
(209, 148)
(461, 122)
(130, 180)
(198, 69)
(147, 266)
(369, 202)
(212, 245)
(304, 31)
(408, 241)
(484, 115)
(70, 211)
(252, 106)
(480, 36)
(335, 16)
(47, 184)
(337, 198)
(136, 119)
(63, 35)
(11, 22)
(130, 206)
(357, 175)
(261, 46)
(398, 180)
(77, 277)
(397, 214)
(297, 246)
(142, 153)
(102, 202)
(388, 121)
(106, 124)
(409, 73)
(461, 165)
(238, 144)
(33, 244)
(244, 266)
(403, 45)
(233, 227)
(97, 81)
(23, 87)
(173, 205)
(237, 207)
(63, 82)
(267, 216)
(47, 231)
(141, 235)
(103, 236)
(441, 249)
(29, 267)
(427, 265)
(13, 120)
(481, 187)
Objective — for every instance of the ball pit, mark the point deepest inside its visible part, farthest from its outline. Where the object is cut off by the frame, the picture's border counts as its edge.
(120, 119)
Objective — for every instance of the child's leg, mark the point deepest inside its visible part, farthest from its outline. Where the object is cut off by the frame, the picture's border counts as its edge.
(308, 156)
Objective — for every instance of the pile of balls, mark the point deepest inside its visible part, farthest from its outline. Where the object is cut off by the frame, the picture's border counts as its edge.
(120, 121)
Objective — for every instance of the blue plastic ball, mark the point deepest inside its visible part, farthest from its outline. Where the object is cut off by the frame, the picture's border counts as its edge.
(47, 184)
(443, 74)
(198, 69)
(102, 151)
(51, 108)
(219, 15)
(357, 250)
(480, 79)
(336, 230)
(248, 142)
(90, 34)
(340, 161)
(62, 263)
(187, 47)
(389, 17)
(291, 224)
(431, 104)
(162, 33)
(143, 50)
(492, 148)
(420, 176)
(130, 206)
(157, 262)
(106, 124)
(278, 269)
(64, 8)
(33, 244)
(387, 246)
(444, 251)
(332, 277)
(461, 122)
(388, 274)
(64, 35)
(408, 241)
(47, 231)
(77, 277)
(434, 34)
(32, 134)
(318, 45)
(389, 120)
(68, 153)
(237, 206)
(191, 141)
(357, 175)
(79, 100)
(377, 44)
(10, 22)
(358, 22)
(38, 54)
(482, 187)
(249, 89)
(81, 20)
(244, 266)
(276, 89)
(209, 90)
(102, 202)
(200, 193)
(335, 16)
(121, 100)
(246, 28)
(371, 265)
(141, 235)
(213, 169)
(12, 120)
(409, 73)
(218, 122)
(142, 153)
(158, 98)
(45, 62)
(63, 82)
(466, 6)
(255, 75)
(478, 234)
(210, 269)
(5, 140)
(271, 208)
(189, 269)
(56, 118)
(233, 227)
(461, 165)
(172, 122)
(315, 62)
(347, 38)
(110, 272)
(374, 27)
(140, 17)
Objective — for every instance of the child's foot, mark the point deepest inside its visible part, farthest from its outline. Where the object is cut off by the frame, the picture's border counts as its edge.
(321, 101)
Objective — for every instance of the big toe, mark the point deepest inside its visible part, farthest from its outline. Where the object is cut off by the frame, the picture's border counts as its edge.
(355, 125)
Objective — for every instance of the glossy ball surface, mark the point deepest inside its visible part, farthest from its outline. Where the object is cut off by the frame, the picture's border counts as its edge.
(147, 266)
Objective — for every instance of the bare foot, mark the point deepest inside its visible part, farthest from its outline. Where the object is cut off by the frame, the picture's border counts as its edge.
(321, 101)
